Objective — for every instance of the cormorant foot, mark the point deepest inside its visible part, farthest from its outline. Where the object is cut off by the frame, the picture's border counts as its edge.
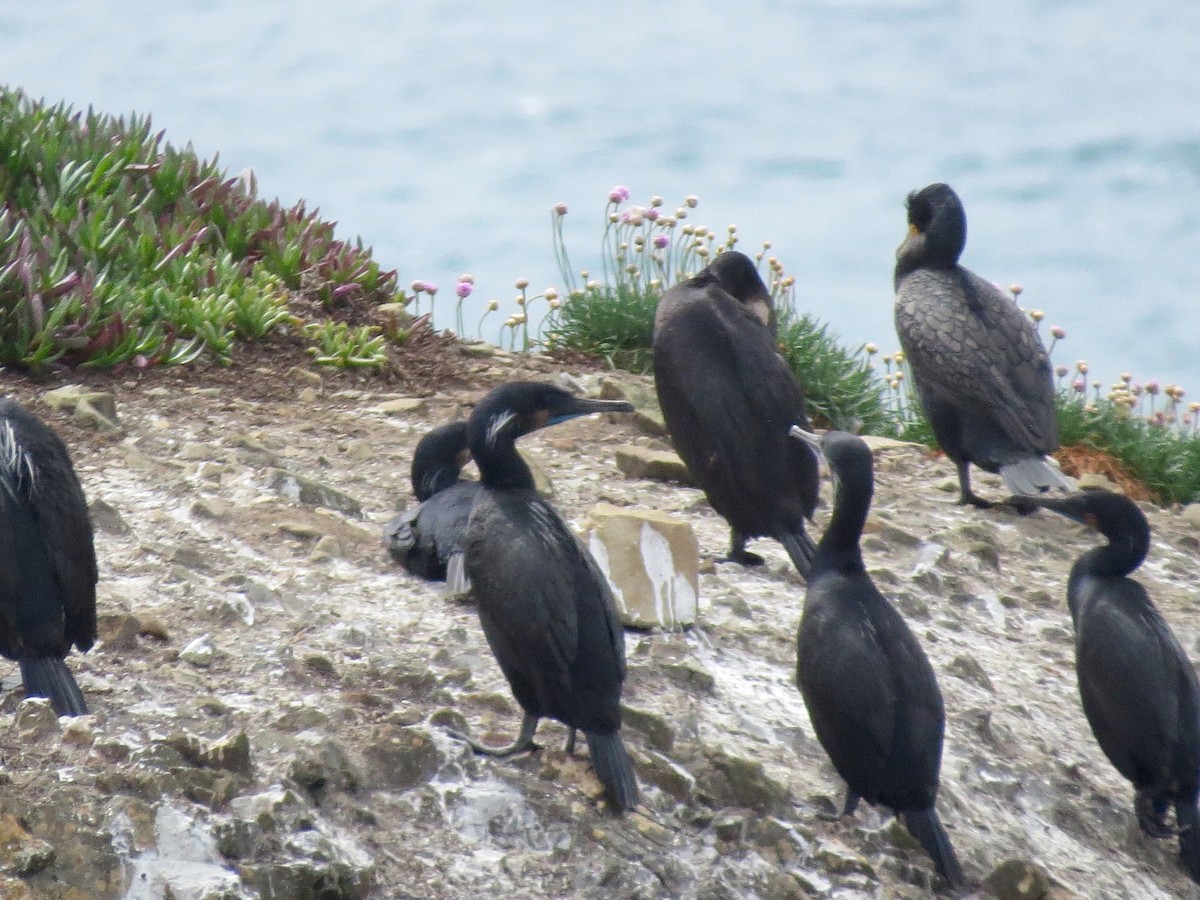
(1152, 817)
(523, 744)
(973, 499)
(745, 557)
(849, 805)
(569, 747)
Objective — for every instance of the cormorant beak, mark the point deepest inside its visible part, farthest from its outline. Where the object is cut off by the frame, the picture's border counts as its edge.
(811, 439)
(1064, 506)
(582, 406)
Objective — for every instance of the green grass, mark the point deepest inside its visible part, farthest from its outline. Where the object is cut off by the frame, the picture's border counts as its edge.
(117, 248)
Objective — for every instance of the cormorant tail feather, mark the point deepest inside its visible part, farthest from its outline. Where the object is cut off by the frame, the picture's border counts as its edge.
(48, 676)
(1187, 817)
(801, 549)
(926, 827)
(613, 768)
(1035, 476)
(458, 582)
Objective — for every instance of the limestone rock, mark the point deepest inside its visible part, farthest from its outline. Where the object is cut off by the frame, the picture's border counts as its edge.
(650, 560)
(20, 852)
(1096, 481)
(106, 518)
(638, 390)
(401, 758)
(299, 489)
(1018, 879)
(657, 465)
(35, 719)
(1191, 513)
(402, 406)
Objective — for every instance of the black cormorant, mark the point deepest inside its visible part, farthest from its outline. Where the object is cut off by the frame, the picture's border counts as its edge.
(425, 537)
(1139, 689)
(546, 609)
(870, 691)
(47, 559)
(980, 370)
(729, 398)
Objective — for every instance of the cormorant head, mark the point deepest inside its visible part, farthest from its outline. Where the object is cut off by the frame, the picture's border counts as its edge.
(847, 455)
(937, 229)
(1113, 515)
(439, 457)
(520, 407)
(737, 275)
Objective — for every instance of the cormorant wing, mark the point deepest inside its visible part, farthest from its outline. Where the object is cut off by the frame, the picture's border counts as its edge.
(1133, 678)
(719, 365)
(66, 527)
(968, 343)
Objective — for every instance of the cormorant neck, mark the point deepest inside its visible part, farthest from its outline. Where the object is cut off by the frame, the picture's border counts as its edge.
(500, 465)
(436, 481)
(937, 247)
(1123, 553)
(839, 546)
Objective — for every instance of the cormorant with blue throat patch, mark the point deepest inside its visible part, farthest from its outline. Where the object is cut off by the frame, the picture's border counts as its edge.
(546, 609)
(47, 559)
(425, 538)
(729, 398)
(980, 370)
(1138, 687)
(870, 691)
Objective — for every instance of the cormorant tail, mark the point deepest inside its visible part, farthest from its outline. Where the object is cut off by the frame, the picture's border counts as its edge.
(926, 827)
(458, 582)
(1188, 819)
(800, 548)
(1035, 476)
(48, 676)
(613, 768)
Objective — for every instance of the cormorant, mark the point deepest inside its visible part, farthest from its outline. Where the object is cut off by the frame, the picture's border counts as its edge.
(728, 399)
(980, 370)
(425, 537)
(47, 559)
(869, 689)
(1138, 687)
(546, 609)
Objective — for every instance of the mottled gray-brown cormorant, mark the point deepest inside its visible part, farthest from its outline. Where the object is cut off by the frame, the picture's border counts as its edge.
(546, 609)
(425, 537)
(729, 398)
(870, 691)
(1138, 687)
(980, 370)
(47, 559)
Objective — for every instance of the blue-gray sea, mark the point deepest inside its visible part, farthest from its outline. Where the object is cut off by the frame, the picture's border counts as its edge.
(443, 132)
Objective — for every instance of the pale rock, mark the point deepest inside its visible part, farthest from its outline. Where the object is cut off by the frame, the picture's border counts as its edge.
(35, 719)
(308, 394)
(656, 465)
(402, 406)
(92, 411)
(199, 652)
(638, 390)
(297, 373)
(1191, 513)
(651, 561)
(1095, 481)
(875, 443)
(300, 489)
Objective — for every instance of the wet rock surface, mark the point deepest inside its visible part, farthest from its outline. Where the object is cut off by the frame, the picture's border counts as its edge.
(271, 696)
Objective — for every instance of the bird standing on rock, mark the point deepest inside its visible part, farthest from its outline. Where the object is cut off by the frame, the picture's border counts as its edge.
(869, 689)
(546, 609)
(982, 375)
(728, 399)
(425, 538)
(47, 559)
(1138, 687)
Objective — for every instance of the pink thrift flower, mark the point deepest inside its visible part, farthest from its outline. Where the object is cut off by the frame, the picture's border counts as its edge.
(618, 194)
(560, 209)
(464, 289)
(431, 288)
(1079, 385)
(661, 240)
(1058, 332)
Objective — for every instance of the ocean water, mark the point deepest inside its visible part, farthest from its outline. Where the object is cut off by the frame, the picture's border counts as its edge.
(443, 132)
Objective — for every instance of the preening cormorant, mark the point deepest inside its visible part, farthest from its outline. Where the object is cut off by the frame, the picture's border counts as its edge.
(47, 559)
(980, 370)
(546, 609)
(729, 398)
(870, 691)
(425, 537)
(1138, 687)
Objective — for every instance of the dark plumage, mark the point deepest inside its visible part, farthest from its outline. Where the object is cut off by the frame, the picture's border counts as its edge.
(1138, 687)
(981, 371)
(729, 398)
(425, 537)
(870, 691)
(47, 560)
(546, 609)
